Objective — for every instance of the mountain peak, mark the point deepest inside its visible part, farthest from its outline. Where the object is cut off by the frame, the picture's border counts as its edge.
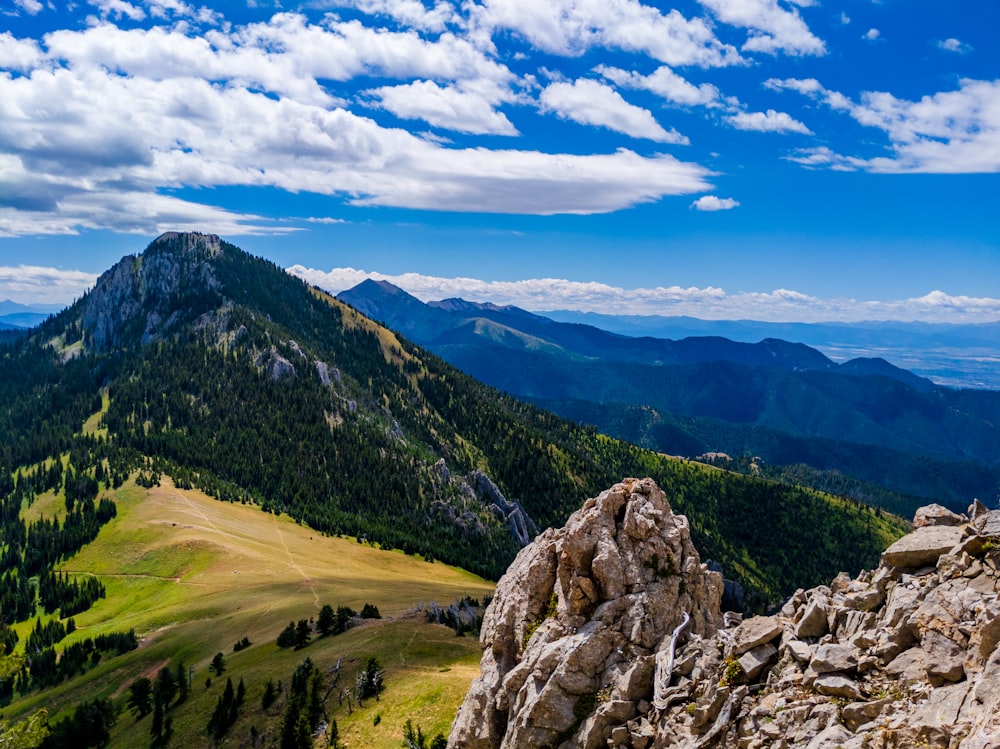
(141, 297)
(185, 243)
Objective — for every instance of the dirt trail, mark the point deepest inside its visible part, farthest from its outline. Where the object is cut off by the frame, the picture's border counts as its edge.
(293, 564)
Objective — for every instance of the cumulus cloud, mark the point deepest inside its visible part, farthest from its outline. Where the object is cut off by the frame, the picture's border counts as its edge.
(954, 45)
(31, 7)
(118, 9)
(20, 55)
(590, 102)
(31, 284)
(714, 203)
(663, 82)
(571, 27)
(872, 34)
(767, 122)
(772, 29)
(412, 13)
(463, 108)
(949, 132)
(780, 305)
(105, 116)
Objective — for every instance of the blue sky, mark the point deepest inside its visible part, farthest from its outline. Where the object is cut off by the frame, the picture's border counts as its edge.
(770, 159)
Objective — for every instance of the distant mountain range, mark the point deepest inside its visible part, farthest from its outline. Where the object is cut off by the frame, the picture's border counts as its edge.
(958, 355)
(785, 402)
(14, 316)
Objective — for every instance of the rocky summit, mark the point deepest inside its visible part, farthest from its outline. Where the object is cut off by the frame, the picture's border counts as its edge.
(609, 632)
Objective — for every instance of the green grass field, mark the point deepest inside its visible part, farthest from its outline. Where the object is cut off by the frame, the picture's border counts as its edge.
(193, 576)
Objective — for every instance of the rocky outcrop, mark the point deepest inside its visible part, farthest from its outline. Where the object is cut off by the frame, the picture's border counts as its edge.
(510, 513)
(572, 635)
(582, 648)
(144, 296)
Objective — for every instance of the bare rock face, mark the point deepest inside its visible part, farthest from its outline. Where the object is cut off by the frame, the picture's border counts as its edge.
(142, 294)
(579, 644)
(571, 637)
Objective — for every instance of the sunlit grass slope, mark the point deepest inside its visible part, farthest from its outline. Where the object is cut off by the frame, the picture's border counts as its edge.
(193, 576)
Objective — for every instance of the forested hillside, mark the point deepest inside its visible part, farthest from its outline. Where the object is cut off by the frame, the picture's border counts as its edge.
(899, 439)
(229, 375)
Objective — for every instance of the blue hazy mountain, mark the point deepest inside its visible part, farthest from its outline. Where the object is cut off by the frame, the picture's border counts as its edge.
(785, 402)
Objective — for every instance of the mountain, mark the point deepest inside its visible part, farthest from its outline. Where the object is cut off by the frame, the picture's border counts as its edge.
(784, 402)
(194, 373)
(226, 373)
(456, 322)
(14, 315)
(958, 355)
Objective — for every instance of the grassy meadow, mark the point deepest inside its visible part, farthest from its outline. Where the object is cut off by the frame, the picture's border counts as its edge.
(193, 576)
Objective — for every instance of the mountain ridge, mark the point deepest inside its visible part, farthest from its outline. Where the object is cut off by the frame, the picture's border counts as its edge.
(761, 399)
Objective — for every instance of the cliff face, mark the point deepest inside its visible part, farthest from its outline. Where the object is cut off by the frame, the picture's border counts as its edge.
(144, 296)
(582, 648)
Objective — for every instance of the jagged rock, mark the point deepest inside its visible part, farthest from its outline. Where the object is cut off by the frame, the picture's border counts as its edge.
(520, 525)
(834, 736)
(913, 647)
(976, 509)
(799, 651)
(547, 652)
(277, 366)
(814, 619)
(828, 658)
(857, 714)
(756, 659)
(754, 632)
(837, 685)
(936, 515)
(146, 293)
(922, 547)
(323, 371)
(988, 523)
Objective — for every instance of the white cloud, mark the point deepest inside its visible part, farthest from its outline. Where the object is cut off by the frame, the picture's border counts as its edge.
(287, 55)
(801, 85)
(954, 45)
(412, 13)
(105, 116)
(571, 27)
(31, 284)
(872, 34)
(18, 54)
(31, 7)
(590, 102)
(780, 305)
(950, 132)
(772, 28)
(325, 220)
(663, 82)
(767, 122)
(118, 9)
(714, 203)
(469, 108)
